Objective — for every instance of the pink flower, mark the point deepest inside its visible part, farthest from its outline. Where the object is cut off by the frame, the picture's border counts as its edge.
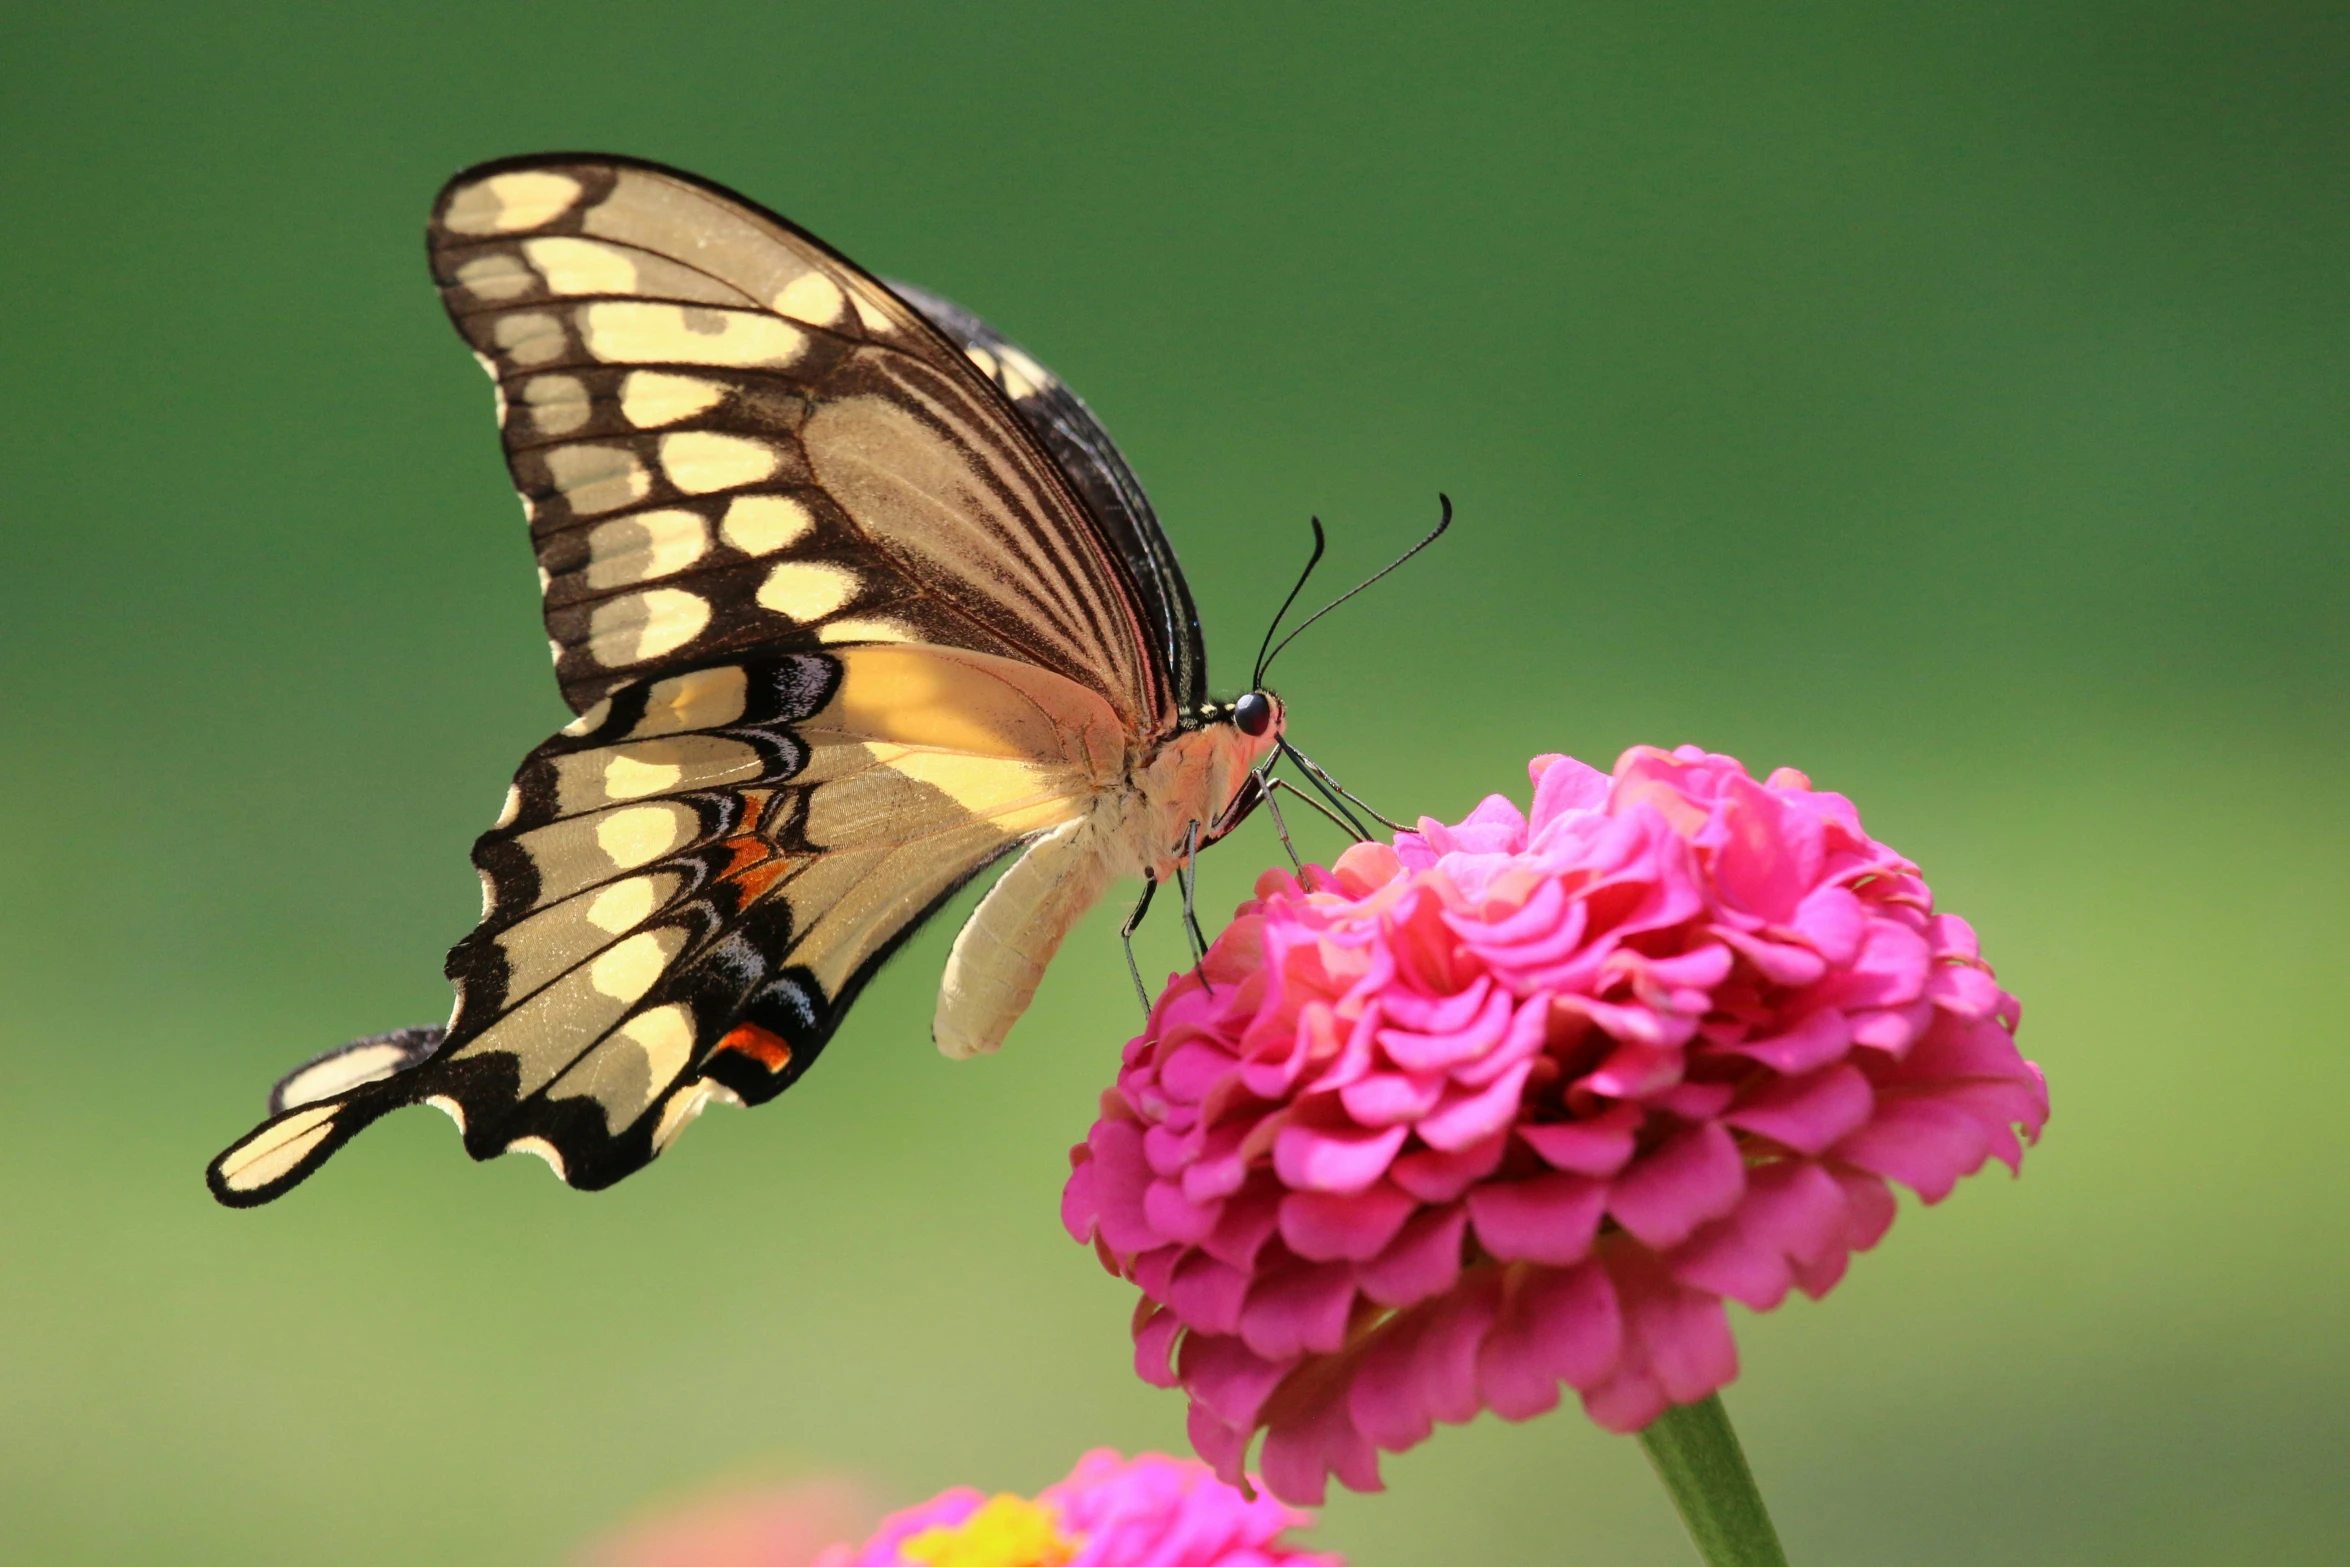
(778, 1526)
(1150, 1511)
(1518, 1102)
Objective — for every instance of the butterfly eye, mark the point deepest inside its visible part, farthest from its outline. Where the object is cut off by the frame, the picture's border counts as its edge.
(1253, 714)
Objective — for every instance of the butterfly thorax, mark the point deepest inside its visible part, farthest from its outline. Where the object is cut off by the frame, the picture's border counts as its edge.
(1195, 778)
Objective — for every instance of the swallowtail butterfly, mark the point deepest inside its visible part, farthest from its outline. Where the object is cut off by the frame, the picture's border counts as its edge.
(852, 598)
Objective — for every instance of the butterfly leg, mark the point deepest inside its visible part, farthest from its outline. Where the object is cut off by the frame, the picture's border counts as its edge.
(1281, 826)
(1328, 815)
(1188, 874)
(1142, 906)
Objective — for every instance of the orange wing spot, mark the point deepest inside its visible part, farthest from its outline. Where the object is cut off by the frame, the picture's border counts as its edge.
(756, 879)
(742, 854)
(752, 863)
(762, 1045)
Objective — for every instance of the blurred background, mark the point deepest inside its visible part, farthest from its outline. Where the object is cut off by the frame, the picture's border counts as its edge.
(1948, 401)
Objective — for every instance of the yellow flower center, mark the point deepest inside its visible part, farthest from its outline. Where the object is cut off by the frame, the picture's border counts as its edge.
(1008, 1531)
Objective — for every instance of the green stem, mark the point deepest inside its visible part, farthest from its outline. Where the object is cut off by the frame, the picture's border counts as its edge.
(1697, 1456)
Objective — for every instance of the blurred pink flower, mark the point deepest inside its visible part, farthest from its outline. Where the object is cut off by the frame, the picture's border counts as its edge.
(766, 1526)
(1150, 1511)
(1520, 1101)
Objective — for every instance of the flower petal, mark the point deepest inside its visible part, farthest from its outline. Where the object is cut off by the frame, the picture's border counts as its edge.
(1335, 1160)
(1355, 1227)
(1808, 1113)
(1548, 1219)
(1664, 1195)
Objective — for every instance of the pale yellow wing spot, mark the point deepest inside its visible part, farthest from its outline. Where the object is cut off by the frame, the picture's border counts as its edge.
(763, 524)
(1022, 376)
(581, 266)
(643, 833)
(556, 939)
(641, 332)
(627, 1071)
(650, 544)
(344, 1070)
(270, 1154)
(868, 628)
(624, 904)
(702, 461)
(628, 969)
(811, 297)
(652, 398)
(807, 589)
(589, 780)
(529, 338)
(645, 625)
(598, 478)
(510, 203)
(666, 1036)
(495, 279)
(873, 314)
(557, 404)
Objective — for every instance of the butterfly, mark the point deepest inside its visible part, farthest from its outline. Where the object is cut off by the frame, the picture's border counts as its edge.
(852, 599)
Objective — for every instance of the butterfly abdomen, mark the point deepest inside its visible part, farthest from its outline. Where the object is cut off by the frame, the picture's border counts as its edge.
(1164, 808)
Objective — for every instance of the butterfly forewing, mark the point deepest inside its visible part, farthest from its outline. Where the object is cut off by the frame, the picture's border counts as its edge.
(728, 438)
(1086, 456)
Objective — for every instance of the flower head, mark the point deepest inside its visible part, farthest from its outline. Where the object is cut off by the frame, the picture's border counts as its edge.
(1110, 1512)
(1518, 1102)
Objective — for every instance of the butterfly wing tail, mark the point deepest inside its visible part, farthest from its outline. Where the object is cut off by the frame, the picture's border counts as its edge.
(315, 1109)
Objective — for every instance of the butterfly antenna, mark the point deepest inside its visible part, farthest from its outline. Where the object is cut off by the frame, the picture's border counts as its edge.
(1257, 680)
(1265, 662)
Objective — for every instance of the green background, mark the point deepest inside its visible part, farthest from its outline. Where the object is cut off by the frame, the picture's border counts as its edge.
(1947, 400)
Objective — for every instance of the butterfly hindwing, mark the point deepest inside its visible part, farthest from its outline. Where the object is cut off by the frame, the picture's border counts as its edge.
(692, 881)
(729, 438)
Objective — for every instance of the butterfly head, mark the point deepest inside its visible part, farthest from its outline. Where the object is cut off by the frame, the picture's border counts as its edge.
(1257, 714)
(1241, 733)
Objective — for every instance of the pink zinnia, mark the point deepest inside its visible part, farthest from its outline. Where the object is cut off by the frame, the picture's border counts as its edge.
(1520, 1101)
(1149, 1511)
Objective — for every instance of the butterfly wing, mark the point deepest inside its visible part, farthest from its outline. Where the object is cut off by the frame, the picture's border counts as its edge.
(1094, 466)
(728, 437)
(691, 884)
(840, 633)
